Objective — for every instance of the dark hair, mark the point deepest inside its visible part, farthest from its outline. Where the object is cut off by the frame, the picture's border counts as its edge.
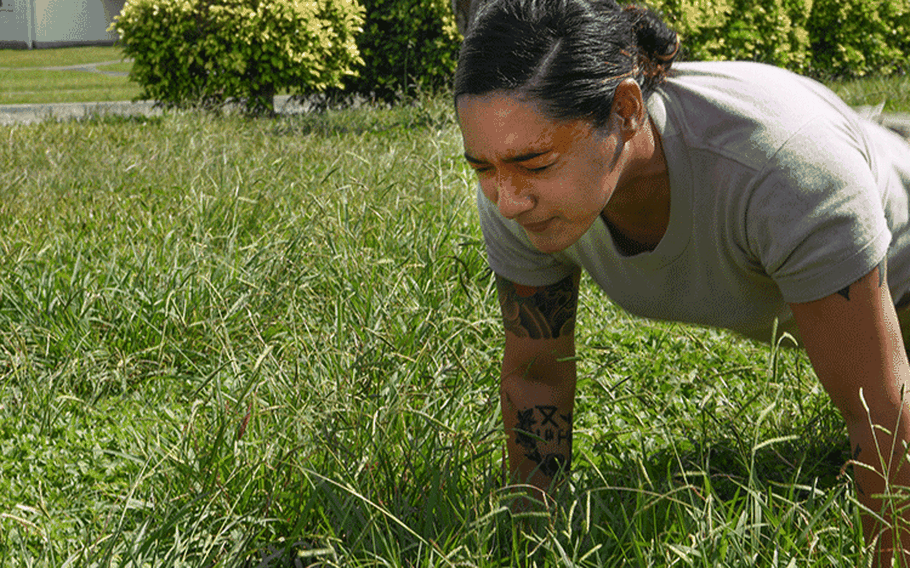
(568, 54)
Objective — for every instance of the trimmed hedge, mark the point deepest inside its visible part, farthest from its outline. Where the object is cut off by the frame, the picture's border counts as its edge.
(191, 52)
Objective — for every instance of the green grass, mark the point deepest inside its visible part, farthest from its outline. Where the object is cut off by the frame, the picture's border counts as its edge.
(893, 91)
(22, 81)
(123, 67)
(58, 57)
(225, 340)
(28, 86)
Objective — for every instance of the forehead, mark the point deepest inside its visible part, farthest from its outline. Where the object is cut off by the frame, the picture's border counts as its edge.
(501, 125)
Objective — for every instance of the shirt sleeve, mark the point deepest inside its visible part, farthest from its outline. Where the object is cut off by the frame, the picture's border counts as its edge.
(510, 253)
(816, 220)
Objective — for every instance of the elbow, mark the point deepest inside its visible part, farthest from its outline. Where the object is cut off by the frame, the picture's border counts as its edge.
(512, 390)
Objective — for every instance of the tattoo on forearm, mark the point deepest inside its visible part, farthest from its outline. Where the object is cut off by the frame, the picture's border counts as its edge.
(845, 291)
(545, 435)
(546, 312)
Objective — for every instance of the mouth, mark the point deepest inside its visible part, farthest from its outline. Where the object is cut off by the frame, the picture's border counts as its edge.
(537, 227)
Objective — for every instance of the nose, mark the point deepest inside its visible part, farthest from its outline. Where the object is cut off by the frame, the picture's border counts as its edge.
(511, 200)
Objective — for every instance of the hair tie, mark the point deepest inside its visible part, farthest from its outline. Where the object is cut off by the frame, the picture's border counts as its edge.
(669, 57)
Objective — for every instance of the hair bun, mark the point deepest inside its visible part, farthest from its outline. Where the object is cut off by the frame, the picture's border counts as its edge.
(655, 39)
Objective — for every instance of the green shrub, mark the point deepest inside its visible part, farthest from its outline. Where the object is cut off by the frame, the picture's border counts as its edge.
(827, 38)
(189, 52)
(771, 31)
(700, 23)
(852, 38)
(406, 45)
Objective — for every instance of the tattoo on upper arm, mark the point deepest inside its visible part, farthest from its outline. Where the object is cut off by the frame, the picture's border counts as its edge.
(545, 435)
(845, 291)
(545, 312)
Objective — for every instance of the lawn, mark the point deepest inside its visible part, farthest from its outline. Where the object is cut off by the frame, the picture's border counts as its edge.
(24, 78)
(872, 91)
(58, 57)
(249, 342)
(227, 340)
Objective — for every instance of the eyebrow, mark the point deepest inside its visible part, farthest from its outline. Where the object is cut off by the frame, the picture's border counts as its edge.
(510, 160)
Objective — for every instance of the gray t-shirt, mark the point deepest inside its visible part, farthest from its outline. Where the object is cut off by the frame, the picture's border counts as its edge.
(779, 193)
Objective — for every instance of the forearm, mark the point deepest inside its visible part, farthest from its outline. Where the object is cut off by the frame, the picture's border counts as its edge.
(537, 418)
(882, 475)
(537, 386)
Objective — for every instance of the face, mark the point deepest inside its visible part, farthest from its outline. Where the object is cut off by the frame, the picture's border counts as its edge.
(553, 177)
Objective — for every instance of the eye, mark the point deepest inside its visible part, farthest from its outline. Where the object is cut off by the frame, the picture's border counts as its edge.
(536, 169)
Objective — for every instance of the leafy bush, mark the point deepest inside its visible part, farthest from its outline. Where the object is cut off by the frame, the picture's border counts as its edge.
(852, 38)
(772, 31)
(406, 45)
(843, 38)
(701, 24)
(189, 52)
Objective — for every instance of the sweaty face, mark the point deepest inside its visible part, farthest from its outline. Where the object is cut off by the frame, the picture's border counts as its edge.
(552, 177)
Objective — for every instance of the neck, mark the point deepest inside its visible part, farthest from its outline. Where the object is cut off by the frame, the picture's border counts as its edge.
(643, 187)
(640, 207)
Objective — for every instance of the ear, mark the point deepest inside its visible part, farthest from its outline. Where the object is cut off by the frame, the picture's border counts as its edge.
(628, 110)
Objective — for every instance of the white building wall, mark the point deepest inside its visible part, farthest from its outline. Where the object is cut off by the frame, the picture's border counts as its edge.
(57, 23)
(14, 23)
(74, 22)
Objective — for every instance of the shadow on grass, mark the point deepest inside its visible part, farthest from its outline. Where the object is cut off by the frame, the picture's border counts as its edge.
(722, 494)
(812, 457)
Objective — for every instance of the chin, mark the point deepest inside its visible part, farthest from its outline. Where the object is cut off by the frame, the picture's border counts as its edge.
(550, 245)
(555, 240)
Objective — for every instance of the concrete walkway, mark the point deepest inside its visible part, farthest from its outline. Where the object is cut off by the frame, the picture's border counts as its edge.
(28, 114)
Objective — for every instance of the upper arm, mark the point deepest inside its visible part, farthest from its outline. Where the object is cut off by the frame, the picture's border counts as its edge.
(854, 342)
(539, 327)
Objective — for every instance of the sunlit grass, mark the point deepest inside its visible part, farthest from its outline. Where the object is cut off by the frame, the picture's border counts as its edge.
(894, 92)
(22, 81)
(123, 67)
(58, 57)
(29, 86)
